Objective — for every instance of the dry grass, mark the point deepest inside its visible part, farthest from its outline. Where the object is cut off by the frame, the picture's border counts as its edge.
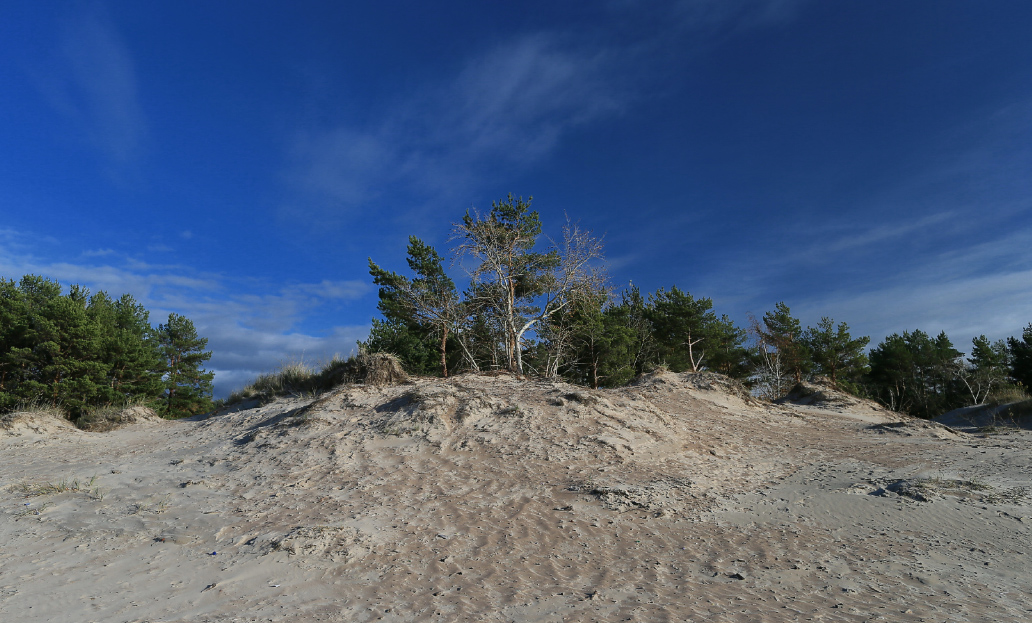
(1017, 412)
(292, 378)
(297, 378)
(1008, 394)
(100, 419)
(38, 489)
(110, 417)
(32, 407)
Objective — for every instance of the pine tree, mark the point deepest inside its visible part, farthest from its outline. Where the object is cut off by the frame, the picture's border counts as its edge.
(681, 325)
(188, 388)
(783, 333)
(1021, 358)
(429, 301)
(66, 339)
(916, 374)
(128, 348)
(636, 311)
(836, 354)
(601, 343)
(687, 335)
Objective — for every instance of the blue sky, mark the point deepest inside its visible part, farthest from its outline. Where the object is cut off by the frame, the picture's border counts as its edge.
(237, 162)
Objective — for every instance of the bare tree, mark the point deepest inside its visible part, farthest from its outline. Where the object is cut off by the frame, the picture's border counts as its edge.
(521, 286)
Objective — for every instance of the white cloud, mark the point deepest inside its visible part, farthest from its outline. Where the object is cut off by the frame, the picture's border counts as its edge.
(344, 290)
(98, 252)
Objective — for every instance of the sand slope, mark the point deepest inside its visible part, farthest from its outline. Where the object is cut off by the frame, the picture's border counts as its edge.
(485, 498)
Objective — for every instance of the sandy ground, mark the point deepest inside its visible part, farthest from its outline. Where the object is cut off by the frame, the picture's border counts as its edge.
(491, 499)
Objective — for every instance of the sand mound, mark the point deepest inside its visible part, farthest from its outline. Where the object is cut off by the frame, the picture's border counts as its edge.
(140, 415)
(111, 418)
(916, 426)
(709, 386)
(823, 396)
(432, 407)
(819, 394)
(650, 433)
(44, 422)
(492, 498)
(1011, 415)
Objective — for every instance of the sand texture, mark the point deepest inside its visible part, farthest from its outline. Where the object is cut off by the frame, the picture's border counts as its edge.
(487, 498)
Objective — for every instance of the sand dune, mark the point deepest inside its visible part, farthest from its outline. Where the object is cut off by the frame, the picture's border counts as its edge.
(486, 498)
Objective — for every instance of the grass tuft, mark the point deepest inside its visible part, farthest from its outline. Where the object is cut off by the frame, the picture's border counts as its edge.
(297, 378)
(1007, 394)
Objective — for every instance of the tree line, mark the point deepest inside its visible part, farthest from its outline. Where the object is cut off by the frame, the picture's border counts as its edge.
(540, 306)
(80, 351)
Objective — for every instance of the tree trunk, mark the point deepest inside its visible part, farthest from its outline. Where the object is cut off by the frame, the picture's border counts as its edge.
(444, 358)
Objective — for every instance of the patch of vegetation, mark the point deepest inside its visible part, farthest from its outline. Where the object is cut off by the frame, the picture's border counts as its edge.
(158, 507)
(100, 420)
(30, 407)
(38, 489)
(109, 417)
(1008, 394)
(297, 378)
(1018, 412)
(80, 351)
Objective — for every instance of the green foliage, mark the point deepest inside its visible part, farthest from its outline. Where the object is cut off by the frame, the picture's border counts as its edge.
(1021, 357)
(986, 372)
(635, 309)
(916, 374)
(553, 309)
(417, 310)
(679, 325)
(412, 344)
(510, 274)
(78, 351)
(293, 378)
(600, 343)
(188, 388)
(687, 335)
(517, 288)
(784, 334)
(834, 353)
(297, 378)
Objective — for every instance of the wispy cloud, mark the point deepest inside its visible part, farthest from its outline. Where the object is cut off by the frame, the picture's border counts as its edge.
(93, 84)
(508, 107)
(963, 308)
(251, 328)
(983, 288)
(883, 232)
(943, 246)
(98, 252)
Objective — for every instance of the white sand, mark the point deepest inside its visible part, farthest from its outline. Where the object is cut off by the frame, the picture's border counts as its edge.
(489, 499)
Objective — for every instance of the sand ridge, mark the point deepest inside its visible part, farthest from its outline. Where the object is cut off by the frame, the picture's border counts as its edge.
(492, 498)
